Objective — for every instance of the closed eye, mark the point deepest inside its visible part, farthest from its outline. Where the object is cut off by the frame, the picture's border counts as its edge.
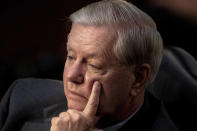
(70, 57)
(95, 67)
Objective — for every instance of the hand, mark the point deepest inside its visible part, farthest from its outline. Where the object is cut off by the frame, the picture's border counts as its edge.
(74, 120)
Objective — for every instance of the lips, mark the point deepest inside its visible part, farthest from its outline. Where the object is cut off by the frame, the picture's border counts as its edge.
(74, 95)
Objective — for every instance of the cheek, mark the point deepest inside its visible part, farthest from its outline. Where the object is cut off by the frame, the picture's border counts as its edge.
(91, 77)
(86, 86)
(115, 91)
(89, 80)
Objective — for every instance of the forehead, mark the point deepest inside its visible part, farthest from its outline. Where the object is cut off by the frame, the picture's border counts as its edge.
(91, 38)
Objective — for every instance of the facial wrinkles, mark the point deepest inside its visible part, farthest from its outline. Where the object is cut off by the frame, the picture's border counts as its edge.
(85, 41)
(90, 39)
(93, 62)
(87, 35)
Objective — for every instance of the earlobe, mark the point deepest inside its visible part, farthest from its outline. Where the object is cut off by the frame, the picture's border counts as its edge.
(142, 74)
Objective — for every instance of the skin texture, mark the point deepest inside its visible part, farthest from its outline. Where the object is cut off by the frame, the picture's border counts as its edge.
(90, 63)
(74, 120)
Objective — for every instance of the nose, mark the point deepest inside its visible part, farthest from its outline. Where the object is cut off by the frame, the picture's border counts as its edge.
(75, 73)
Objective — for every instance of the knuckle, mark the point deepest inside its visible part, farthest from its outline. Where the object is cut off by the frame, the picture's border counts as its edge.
(62, 114)
(53, 120)
(66, 119)
(58, 122)
(71, 111)
(77, 117)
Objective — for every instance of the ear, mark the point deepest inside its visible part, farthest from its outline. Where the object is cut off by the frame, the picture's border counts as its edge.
(142, 74)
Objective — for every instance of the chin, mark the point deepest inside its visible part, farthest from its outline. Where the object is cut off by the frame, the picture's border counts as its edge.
(76, 106)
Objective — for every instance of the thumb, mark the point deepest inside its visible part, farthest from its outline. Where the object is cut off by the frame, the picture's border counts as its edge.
(93, 102)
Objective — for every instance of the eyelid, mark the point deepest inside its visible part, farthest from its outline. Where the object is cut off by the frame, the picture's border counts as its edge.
(70, 57)
(70, 53)
(96, 67)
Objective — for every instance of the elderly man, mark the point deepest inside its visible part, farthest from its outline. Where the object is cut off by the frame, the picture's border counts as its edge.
(114, 51)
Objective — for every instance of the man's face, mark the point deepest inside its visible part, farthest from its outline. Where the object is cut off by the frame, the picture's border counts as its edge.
(90, 59)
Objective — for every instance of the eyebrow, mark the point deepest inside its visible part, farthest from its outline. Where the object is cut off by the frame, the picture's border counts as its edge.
(93, 55)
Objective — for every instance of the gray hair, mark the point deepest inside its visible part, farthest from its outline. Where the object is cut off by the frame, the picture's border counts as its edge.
(138, 40)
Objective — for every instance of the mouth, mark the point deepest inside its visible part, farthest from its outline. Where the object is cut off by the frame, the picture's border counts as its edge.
(75, 96)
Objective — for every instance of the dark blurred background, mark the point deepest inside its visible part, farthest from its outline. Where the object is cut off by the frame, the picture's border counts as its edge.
(33, 33)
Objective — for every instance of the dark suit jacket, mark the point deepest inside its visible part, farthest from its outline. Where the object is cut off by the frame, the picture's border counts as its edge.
(29, 105)
(151, 117)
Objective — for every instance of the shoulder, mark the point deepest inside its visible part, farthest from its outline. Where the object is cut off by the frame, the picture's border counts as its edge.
(159, 118)
(31, 101)
(162, 121)
(31, 91)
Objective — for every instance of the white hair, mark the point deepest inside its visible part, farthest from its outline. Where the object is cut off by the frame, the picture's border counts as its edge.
(138, 40)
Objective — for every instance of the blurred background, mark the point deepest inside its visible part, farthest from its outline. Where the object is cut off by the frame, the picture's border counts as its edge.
(33, 33)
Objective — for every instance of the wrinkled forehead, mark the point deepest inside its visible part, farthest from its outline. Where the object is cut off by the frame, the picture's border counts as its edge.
(92, 38)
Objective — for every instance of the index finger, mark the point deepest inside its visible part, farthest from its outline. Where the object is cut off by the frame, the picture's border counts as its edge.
(93, 102)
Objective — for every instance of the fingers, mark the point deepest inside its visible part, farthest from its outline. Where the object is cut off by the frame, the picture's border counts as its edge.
(74, 120)
(93, 102)
(59, 123)
(62, 122)
(64, 116)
